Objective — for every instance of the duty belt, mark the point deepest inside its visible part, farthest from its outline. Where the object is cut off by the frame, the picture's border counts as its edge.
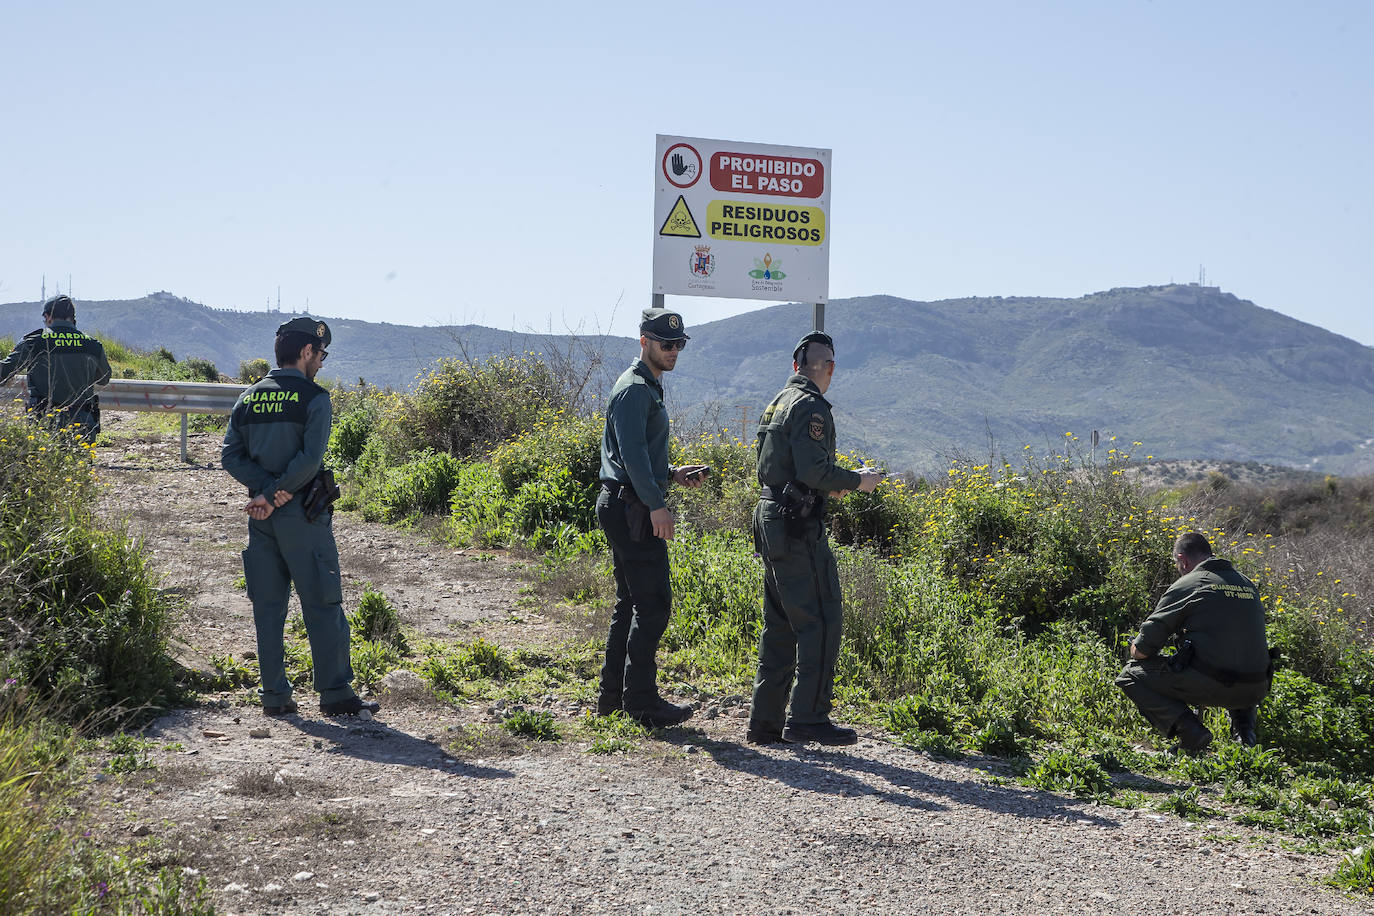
(617, 489)
(1228, 678)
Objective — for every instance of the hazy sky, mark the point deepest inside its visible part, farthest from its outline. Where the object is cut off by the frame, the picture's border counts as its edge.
(493, 163)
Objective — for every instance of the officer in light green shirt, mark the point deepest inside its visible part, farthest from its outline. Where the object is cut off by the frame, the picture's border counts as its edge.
(1215, 616)
(274, 445)
(63, 366)
(802, 613)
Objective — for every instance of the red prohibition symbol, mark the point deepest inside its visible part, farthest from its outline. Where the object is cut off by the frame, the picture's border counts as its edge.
(682, 165)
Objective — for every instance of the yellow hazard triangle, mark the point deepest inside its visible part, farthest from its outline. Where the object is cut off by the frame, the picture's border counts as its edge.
(680, 222)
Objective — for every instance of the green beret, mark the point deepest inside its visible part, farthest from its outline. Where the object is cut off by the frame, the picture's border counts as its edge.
(819, 337)
(662, 324)
(311, 327)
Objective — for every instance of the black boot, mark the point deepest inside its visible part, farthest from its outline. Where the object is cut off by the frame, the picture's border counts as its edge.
(821, 733)
(1243, 722)
(759, 733)
(1192, 735)
(607, 703)
(661, 714)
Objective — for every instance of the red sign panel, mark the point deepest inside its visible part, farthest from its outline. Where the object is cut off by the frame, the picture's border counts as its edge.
(781, 176)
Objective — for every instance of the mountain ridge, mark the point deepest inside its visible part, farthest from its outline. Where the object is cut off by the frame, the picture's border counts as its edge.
(1193, 372)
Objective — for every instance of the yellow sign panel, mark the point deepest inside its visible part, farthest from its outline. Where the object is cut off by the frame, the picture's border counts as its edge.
(733, 221)
(680, 222)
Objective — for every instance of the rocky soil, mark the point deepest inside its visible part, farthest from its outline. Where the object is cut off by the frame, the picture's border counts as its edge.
(310, 814)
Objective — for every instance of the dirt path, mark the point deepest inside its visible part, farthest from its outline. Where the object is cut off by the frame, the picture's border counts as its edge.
(332, 816)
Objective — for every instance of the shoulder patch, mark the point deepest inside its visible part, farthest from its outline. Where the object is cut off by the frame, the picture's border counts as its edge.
(816, 427)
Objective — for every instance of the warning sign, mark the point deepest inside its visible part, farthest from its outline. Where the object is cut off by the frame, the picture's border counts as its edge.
(682, 165)
(679, 222)
(741, 220)
(752, 222)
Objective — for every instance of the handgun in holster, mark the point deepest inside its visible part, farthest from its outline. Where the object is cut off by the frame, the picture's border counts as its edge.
(1182, 657)
(320, 495)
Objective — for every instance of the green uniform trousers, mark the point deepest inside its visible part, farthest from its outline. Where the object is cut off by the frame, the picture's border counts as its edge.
(283, 549)
(802, 620)
(1163, 695)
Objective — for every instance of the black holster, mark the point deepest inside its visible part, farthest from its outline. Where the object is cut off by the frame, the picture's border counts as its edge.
(320, 494)
(636, 514)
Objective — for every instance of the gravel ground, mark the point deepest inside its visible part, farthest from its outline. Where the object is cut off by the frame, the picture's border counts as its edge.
(397, 815)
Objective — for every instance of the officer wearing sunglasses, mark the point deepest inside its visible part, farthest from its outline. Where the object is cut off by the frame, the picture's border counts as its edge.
(632, 509)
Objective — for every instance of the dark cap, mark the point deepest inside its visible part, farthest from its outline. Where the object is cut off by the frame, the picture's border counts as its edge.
(60, 306)
(312, 327)
(819, 337)
(662, 324)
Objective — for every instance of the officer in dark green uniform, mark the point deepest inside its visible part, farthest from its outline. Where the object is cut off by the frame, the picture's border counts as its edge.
(632, 509)
(1222, 659)
(274, 445)
(63, 367)
(802, 614)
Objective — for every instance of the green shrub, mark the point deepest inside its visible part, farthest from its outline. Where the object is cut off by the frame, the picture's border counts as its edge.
(253, 370)
(1356, 871)
(378, 620)
(373, 660)
(465, 408)
(84, 617)
(1064, 771)
(422, 486)
(450, 669)
(480, 509)
(527, 723)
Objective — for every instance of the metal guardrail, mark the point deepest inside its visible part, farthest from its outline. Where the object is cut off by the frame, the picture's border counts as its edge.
(154, 396)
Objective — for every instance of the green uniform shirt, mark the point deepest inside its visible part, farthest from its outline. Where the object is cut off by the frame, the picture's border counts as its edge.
(796, 440)
(1219, 610)
(63, 366)
(634, 447)
(277, 433)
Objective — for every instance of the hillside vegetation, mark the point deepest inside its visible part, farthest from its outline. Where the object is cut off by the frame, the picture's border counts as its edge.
(85, 633)
(987, 610)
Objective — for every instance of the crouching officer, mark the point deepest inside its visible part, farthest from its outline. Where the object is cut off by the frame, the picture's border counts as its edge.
(274, 445)
(1222, 658)
(802, 614)
(63, 367)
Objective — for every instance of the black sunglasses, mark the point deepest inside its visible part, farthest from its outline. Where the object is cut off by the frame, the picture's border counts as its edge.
(669, 345)
(324, 355)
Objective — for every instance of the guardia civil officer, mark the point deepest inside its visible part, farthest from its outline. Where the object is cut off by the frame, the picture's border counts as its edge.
(274, 445)
(632, 509)
(63, 367)
(802, 613)
(1214, 615)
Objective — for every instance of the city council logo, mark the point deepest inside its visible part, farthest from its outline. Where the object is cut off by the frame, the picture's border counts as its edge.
(703, 263)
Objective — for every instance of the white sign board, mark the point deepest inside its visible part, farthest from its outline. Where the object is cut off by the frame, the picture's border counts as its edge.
(741, 220)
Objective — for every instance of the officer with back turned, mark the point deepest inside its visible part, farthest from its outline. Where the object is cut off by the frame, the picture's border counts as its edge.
(633, 512)
(1215, 617)
(275, 442)
(63, 367)
(802, 613)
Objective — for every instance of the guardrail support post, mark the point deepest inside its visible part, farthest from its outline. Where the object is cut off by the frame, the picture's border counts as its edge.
(184, 458)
